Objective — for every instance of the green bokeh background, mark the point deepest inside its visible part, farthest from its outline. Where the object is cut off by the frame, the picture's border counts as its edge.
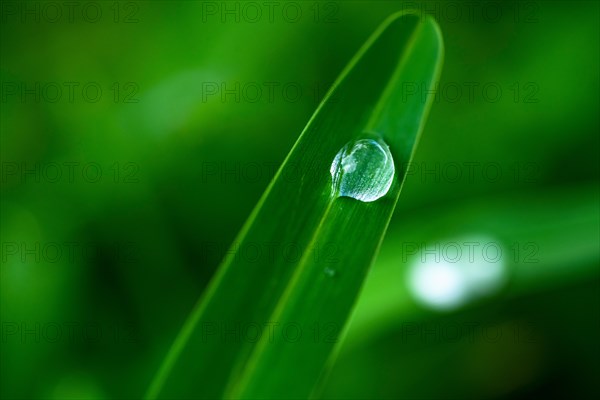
(181, 169)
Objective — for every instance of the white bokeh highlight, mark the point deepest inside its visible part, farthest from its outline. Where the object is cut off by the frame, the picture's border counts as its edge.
(449, 274)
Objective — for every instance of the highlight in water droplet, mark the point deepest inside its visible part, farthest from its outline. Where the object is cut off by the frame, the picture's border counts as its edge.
(363, 169)
(330, 272)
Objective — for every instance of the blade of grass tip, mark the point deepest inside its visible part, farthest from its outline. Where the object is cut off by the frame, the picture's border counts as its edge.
(384, 120)
(336, 237)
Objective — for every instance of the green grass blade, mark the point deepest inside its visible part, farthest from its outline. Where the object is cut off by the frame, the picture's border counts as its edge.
(267, 324)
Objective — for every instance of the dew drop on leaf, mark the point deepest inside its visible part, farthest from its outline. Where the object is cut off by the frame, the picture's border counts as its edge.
(363, 170)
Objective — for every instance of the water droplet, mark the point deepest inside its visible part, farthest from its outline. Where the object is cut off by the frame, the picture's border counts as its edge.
(330, 272)
(363, 169)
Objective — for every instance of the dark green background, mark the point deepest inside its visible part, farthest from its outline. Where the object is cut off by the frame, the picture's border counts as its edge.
(181, 169)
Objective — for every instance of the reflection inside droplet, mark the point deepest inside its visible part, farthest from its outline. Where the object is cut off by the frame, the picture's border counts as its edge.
(330, 272)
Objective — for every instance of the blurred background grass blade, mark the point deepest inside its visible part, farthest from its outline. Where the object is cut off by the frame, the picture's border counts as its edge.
(531, 251)
(545, 272)
(266, 325)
